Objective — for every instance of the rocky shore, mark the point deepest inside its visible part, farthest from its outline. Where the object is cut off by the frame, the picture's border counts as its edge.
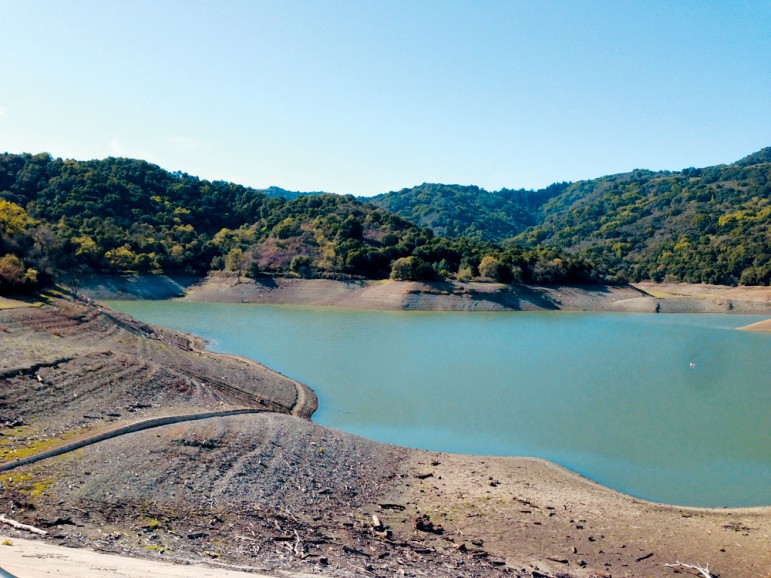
(256, 486)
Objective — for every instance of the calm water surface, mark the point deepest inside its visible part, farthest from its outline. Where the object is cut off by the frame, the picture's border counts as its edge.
(611, 396)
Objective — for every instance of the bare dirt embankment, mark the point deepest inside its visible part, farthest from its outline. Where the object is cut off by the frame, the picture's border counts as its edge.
(444, 296)
(103, 287)
(272, 492)
(408, 295)
(690, 298)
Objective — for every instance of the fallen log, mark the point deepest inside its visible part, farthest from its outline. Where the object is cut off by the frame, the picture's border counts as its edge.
(641, 558)
(20, 526)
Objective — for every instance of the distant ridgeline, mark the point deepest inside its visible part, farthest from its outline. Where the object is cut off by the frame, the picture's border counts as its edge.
(62, 217)
(288, 195)
(707, 225)
(461, 211)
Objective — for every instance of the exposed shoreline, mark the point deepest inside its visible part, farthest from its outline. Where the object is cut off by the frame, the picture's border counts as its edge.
(318, 487)
(760, 326)
(444, 296)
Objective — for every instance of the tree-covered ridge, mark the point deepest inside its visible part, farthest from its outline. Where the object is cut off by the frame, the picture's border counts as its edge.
(468, 211)
(696, 225)
(707, 225)
(125, 214)
(288, 195)
(129, 215)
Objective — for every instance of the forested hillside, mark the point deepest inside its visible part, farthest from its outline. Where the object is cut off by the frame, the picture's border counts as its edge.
(707, 225)
(467, 211)
(60, 217)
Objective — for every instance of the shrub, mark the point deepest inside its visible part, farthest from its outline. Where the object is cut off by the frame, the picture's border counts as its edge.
(14, 276)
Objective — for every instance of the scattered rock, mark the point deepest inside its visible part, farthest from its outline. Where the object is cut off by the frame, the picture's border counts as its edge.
(424, 524)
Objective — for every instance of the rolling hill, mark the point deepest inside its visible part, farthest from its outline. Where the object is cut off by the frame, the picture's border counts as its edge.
(63, 217)
(708, 225)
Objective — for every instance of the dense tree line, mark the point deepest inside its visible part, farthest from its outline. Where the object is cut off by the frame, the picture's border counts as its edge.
(65, 217)
(62, 217)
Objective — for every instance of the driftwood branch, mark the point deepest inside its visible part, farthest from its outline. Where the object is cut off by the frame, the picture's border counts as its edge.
(703, 570)
(20, 526)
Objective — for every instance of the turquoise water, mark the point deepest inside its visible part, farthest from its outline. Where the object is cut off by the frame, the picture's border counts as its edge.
(611, 396)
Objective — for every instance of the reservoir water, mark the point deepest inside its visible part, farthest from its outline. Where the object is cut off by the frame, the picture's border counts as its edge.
(670, 408)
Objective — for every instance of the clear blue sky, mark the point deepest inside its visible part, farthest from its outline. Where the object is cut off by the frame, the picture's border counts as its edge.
(364, 97)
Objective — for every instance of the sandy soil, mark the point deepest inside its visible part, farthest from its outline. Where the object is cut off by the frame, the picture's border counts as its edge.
(37, 559)
(272, 492)
(761, 326)
(539, 517)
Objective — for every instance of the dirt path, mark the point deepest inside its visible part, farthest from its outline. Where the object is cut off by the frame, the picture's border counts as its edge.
(306, 402)
(120, 431)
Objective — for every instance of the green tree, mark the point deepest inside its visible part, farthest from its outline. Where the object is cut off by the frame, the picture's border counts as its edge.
(235, 261)
(122, 258)
(15, 276)
(14, 220)
(412, 269)
(488, 267)
(301, 264)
